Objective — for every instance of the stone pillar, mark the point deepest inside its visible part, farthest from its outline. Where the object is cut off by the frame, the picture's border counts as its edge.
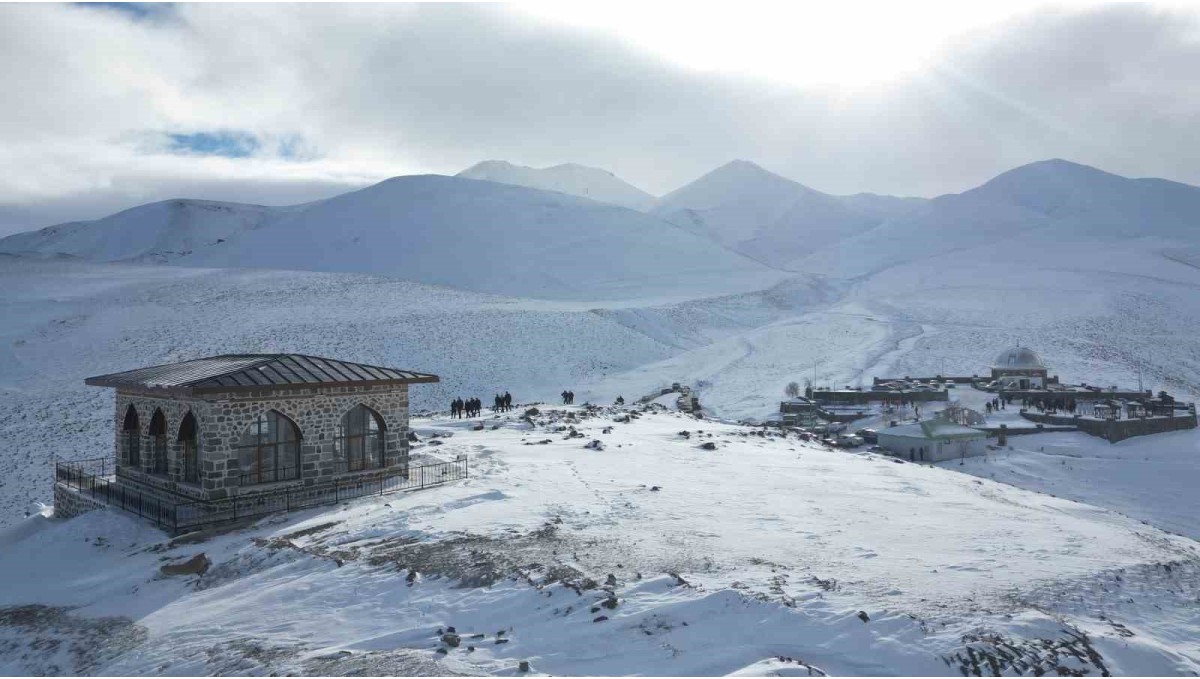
(1002, 439)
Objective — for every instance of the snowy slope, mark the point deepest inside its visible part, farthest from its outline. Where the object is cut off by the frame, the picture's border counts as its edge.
(493, 237)
(762, 556)
(769, 217)
(1049, 207)
(154, 232)
(577, 180)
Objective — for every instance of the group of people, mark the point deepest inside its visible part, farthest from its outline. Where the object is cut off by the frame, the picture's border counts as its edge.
(568, 397)
(468, 408)
(997, 404)
(1051, 405)
(503, 403)
(472, 407)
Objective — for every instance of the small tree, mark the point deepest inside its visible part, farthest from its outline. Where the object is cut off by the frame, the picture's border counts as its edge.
(792, 389)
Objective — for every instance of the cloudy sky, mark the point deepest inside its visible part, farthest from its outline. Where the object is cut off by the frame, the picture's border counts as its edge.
(109, 106)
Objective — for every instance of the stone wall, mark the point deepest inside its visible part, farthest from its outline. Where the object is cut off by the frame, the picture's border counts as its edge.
(222, 418)
(1118, 430)
(69, 502)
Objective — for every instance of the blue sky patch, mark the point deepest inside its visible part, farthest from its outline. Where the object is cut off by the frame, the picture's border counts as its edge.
(136, 10)
(229, 144)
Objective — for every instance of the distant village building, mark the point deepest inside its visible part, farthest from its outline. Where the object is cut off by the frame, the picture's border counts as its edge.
(1019, 368)
(799, 412)
(933, 441)
(235, 425)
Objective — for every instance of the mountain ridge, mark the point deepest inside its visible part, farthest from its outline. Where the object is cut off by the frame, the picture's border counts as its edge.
(570, 178)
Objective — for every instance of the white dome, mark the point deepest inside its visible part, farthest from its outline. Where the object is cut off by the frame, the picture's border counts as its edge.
(1018, 358)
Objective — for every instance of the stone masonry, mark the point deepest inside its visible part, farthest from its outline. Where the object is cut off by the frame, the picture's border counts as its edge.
(222, 418)
(69, 502)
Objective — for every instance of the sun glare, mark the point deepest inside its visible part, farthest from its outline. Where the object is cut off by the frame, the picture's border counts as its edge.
(846, 44)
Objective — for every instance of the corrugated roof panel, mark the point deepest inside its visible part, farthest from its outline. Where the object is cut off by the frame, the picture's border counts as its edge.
(356, 370)
(301, 367)
(276, 374)
(334, 369)
(255, 370)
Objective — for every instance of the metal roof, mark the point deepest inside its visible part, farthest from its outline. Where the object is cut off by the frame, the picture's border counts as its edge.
(1019, 358)
(244, 372)
(934, 429)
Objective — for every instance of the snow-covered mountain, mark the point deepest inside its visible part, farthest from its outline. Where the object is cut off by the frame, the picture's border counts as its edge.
(577, 180)
(491, 237)
(466, 233)
(771, 218)
(159, 231)
(1052, 210)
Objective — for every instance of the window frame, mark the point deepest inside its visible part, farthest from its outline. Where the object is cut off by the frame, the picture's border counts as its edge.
(361, 429)
(271, 444)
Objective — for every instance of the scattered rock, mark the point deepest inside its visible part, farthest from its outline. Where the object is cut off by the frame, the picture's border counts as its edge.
(655, 488)
(862, 615)
(610, 603)
(452, 640)
(532, 412)
(197, 565)
(523, 666)
(708, 445)
(600, 618)
(611, 579)
(442, 651)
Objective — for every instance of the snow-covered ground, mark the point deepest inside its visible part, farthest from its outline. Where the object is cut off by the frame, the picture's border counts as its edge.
(765, 555)
(780, 545)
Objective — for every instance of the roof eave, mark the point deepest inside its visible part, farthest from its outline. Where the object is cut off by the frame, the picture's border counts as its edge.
(187, 391)
(423, 379)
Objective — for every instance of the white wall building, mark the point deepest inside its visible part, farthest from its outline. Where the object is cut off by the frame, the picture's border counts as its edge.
(1019, 368)
(933, 441)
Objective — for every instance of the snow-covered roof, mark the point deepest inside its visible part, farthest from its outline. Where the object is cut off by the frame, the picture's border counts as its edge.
(1018, 358)
(934, 429)
(233, 372)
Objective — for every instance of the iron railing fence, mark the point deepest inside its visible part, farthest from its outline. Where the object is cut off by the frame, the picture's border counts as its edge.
(179, 514)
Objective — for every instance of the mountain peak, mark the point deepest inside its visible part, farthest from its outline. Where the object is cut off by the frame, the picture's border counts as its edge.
(571, 178)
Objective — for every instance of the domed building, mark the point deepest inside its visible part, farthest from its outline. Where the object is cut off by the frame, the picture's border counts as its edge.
(1019, 368)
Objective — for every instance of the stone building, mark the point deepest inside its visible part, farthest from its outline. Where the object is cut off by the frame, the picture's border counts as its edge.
(233, 425)
(1019, 368)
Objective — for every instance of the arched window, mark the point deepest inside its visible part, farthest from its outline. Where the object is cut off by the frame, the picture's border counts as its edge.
(359, 442)
(269, 449)
(158, 441)
(189, 454)
(133, 437)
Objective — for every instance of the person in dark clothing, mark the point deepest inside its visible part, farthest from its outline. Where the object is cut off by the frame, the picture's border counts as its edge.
(507, 401)
(455, 408)
(570, 398)
(564, 395)
(620, 400)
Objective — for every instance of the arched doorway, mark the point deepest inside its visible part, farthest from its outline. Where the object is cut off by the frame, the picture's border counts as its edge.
(189, 453)
(158, 441)
(132, 432)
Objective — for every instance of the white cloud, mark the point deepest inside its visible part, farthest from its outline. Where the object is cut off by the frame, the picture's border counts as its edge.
(930, 98)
